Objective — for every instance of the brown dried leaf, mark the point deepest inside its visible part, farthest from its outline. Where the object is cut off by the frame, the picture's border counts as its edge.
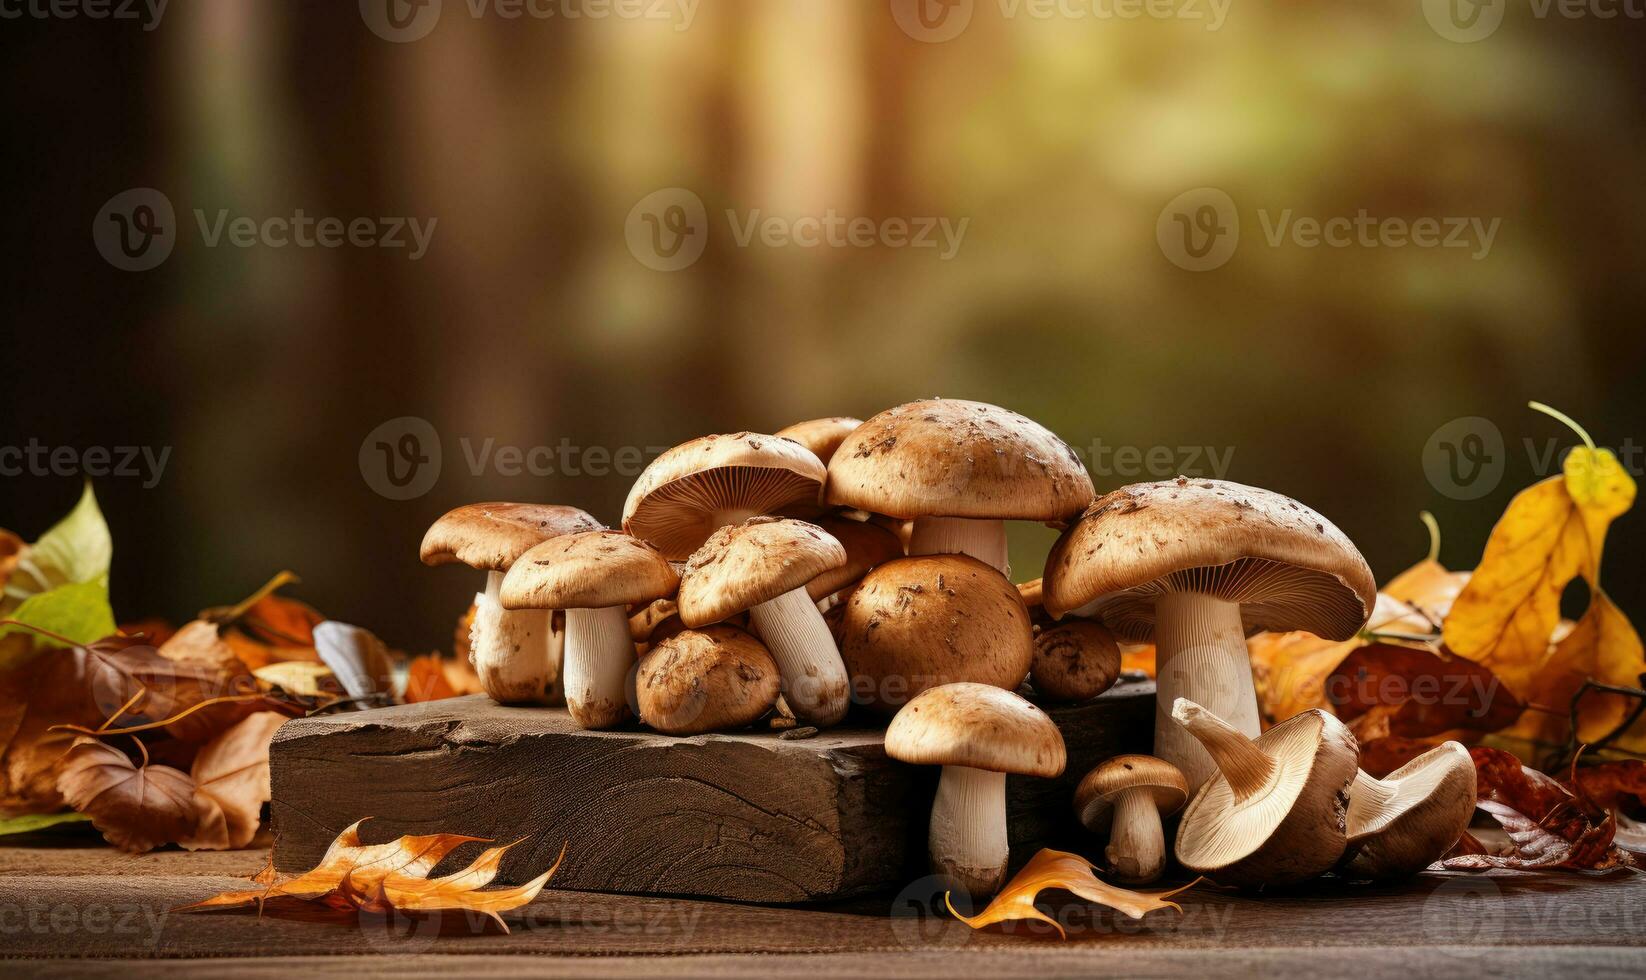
(137, 808)
(1609, 784)
(52, 689)
(1070, 872)
(232, 774)
(1415, 693)
(200, 643)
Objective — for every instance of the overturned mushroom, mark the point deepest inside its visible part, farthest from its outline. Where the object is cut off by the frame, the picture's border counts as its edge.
(1074, 661)
(1127, 797)
(705, 680)
(1404, 822)
(1274, 811)
(978, 734)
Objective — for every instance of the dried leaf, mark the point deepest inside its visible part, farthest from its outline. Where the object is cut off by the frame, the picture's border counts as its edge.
(1610, 783)
(1414, 692)
(1070, 872)
(137, 808)
(426, 680)
(300, 677)
(358, 659)
(52, 689)
(1602, 647)
(232, 774)
(200, 643)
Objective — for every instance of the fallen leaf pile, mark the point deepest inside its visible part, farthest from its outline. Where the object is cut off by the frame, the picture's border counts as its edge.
(1050, 869)
(392, 877)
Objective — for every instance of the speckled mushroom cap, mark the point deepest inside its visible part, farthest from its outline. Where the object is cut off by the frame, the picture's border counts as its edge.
(743, 566)
(1287, 566)
(677, 501)
(978, 726)
(696, 681)
(821, 436)
(951, 458)
(490, 537)
(867, 546)
(1094, 798)
(592, 570)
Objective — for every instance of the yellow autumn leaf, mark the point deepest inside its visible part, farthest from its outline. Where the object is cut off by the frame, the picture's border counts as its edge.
(1603, 647)
(1070, 872)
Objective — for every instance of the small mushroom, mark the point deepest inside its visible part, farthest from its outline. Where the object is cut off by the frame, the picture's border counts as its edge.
(821, 436)
(1127, 797)
(1195, 566)
(512, 651)
(594, 577)
(1074, 661)
(705, 680)
(1404, 822)
(1274, 811)
(763, 566)
(978, 734)
(959, 470)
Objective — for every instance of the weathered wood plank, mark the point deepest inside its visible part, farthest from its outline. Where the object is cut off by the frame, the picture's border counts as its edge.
(751, 817)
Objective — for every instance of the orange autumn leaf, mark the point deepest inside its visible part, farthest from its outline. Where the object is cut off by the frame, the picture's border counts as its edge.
(1070, 872)
(1138, 657)
(1603, 647)
(231, 778)
(426, 680)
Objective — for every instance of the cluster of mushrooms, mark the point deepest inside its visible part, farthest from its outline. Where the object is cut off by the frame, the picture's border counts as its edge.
(788, 577)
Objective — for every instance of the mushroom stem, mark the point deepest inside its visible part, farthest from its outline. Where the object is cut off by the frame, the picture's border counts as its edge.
(968, 829)
(814, 678)
(984, 540)
(1137, 845)
(1232, 752)
(599, 654)
(509, 649)
(1200, 651)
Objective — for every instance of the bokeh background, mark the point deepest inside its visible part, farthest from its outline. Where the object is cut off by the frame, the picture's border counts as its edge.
(531, 321)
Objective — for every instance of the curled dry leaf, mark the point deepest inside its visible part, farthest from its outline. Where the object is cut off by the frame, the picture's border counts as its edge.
(52, 689)
(1070, 872)
(231, 778)
(137, 808)
(1611, 784)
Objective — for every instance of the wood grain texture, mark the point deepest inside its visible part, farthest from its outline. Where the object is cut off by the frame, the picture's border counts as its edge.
(749, 816)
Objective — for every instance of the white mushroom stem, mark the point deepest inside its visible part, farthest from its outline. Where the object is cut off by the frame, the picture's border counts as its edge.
(814, 678)
(984, 540)
(1200, 654)
(1137, 845)
(1232, 752)
(509, 649)
(968, 830)
(599, 656)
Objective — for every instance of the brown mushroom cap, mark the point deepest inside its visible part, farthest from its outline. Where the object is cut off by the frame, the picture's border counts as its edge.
(867, 546)
(743, 566)
(978, 726)
(704, 680)
(1287, 566)
(592, 570)
(1094, 798)
(1074, 661)
(821, 436)
(675, 502)
(951, 458)
(490, 537)
(916, 623)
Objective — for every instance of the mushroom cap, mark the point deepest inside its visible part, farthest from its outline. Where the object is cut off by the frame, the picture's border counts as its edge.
(706, 679)
(744, 565)
(920, 622)
(978, 726)
(490, 537)
(821, 436)
(675, 501)
(951, 458)
(1094, 798)
(867, 545)
(1414, 816)
(1293, 827)
(1287, 566)
(1075, 660)
(591, 570)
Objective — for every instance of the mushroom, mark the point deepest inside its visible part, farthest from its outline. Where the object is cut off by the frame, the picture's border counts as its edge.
(1127, 797)
(594, 577)
(511, 651)
(1404, 822)
(1074, 661)
(704, 680)
(821, 436)
(916, 623)
(1273, 814)
(763, 565)
(978, 733)
(958, 469)
(867, 545)
(1196, 566)
(714, 481)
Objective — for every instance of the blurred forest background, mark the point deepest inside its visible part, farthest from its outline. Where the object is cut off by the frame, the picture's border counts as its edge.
(530, 322)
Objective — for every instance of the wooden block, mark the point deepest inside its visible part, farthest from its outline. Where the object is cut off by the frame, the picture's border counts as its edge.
(750, 817)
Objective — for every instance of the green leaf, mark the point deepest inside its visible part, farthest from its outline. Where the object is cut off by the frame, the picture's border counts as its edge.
(39, 821)
(79, 611)
(78, 548)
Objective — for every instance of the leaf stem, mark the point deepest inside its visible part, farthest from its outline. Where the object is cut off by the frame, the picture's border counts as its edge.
(1556, 413)
(1433, 525)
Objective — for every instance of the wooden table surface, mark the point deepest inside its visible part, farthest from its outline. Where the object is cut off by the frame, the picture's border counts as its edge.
(81, 910)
